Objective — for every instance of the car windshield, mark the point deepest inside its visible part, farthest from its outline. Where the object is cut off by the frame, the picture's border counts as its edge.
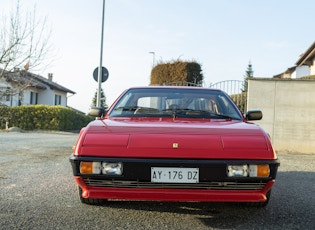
(176, 103)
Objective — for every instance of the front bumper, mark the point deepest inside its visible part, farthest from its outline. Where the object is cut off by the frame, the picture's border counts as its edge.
(159, 194)
(213, 186)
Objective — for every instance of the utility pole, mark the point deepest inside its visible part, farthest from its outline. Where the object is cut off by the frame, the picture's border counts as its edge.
(153, 62)
(100, 74)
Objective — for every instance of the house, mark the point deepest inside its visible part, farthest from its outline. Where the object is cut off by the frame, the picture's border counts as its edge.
(305, 65)
(25, 88)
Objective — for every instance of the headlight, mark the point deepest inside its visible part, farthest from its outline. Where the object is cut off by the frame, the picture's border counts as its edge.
(112, 168)
(237, 170)
(95, 167)
(248, 170)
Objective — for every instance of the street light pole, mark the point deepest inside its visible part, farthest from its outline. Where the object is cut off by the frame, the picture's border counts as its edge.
(100, 74)
(153, 63)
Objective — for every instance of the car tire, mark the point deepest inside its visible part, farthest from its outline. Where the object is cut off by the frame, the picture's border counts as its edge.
(89, 201)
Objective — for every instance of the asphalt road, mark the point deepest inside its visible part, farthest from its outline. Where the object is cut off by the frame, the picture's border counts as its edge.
(37, 191)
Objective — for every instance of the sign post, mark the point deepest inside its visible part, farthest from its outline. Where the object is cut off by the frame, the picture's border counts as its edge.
(100, 69)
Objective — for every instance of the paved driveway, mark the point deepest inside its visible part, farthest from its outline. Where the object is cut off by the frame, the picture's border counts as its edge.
(37, 191)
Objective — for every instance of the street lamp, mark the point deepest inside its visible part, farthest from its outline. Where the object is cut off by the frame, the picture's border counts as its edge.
(153, 53)
(100, 74)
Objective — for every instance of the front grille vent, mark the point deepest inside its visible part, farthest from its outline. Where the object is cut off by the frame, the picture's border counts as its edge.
(201, 185)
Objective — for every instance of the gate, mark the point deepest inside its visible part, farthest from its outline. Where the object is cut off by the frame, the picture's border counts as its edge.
(183, 83)
(234, 88)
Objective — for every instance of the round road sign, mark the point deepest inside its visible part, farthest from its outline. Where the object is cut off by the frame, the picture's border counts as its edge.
(104, 74)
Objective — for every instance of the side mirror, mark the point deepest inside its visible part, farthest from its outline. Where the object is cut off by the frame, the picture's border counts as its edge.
(96, 111)
(253, 115)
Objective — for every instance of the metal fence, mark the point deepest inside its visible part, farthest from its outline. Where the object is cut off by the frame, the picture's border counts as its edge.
(183, 83)
(234, 88)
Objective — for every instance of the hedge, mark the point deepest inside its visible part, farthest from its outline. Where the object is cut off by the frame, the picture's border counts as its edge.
(240, 100)
(34, 117)
(176, 71)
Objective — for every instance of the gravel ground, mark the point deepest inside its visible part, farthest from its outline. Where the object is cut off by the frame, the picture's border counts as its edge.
(37, 191)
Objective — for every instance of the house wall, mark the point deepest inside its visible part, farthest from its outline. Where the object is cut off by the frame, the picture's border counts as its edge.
(63, 97)
(312, 67)
(3, 87)
(288, 108)
(293, 74)
(27, 96)
(302, 71)
(45, 97)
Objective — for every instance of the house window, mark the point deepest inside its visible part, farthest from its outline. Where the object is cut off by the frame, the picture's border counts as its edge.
(57, 99)
(5, 93)
(34, 98)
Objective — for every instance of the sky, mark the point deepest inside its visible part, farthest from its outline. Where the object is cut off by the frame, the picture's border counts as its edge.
(223, 36)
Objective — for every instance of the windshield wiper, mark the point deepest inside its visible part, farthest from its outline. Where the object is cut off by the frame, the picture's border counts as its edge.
(193, 112)
(127, 108)
(174, 112)
(223, 116)
(138, 110)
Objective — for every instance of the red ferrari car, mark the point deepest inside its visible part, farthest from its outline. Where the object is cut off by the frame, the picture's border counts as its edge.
(174, 144)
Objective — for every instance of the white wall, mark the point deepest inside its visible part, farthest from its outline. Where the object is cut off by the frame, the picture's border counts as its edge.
(312, 67)
(45, 97)
(288, 107)
(302, 71)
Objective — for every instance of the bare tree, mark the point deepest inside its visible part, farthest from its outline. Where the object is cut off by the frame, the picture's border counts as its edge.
(24, 46)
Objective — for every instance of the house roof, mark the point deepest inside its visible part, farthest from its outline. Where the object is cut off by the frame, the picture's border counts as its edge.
(288, 71)
(34, 80)
(51, 84)
(307, 56)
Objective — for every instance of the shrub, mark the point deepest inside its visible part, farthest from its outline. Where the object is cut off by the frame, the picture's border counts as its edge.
(177, 72)
(33, 117)
(240, 100)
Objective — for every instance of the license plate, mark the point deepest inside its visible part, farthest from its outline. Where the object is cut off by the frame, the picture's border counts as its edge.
(174, 175)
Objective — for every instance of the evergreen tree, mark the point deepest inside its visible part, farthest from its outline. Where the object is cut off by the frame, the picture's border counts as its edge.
(103, 99)
(249, 73)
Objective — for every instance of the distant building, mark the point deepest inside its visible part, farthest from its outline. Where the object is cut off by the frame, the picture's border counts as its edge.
(25, 88)
(305, 65)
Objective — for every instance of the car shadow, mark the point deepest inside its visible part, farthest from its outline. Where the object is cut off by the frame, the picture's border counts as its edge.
(215, 215)
(286, 194)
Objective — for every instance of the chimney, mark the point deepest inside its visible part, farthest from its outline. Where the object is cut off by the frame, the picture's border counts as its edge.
(50, 76)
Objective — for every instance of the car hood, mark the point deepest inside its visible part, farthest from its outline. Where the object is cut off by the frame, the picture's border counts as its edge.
(174, 138)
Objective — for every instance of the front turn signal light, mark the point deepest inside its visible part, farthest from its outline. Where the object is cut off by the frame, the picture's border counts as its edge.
(87, 167)
(259, 170)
